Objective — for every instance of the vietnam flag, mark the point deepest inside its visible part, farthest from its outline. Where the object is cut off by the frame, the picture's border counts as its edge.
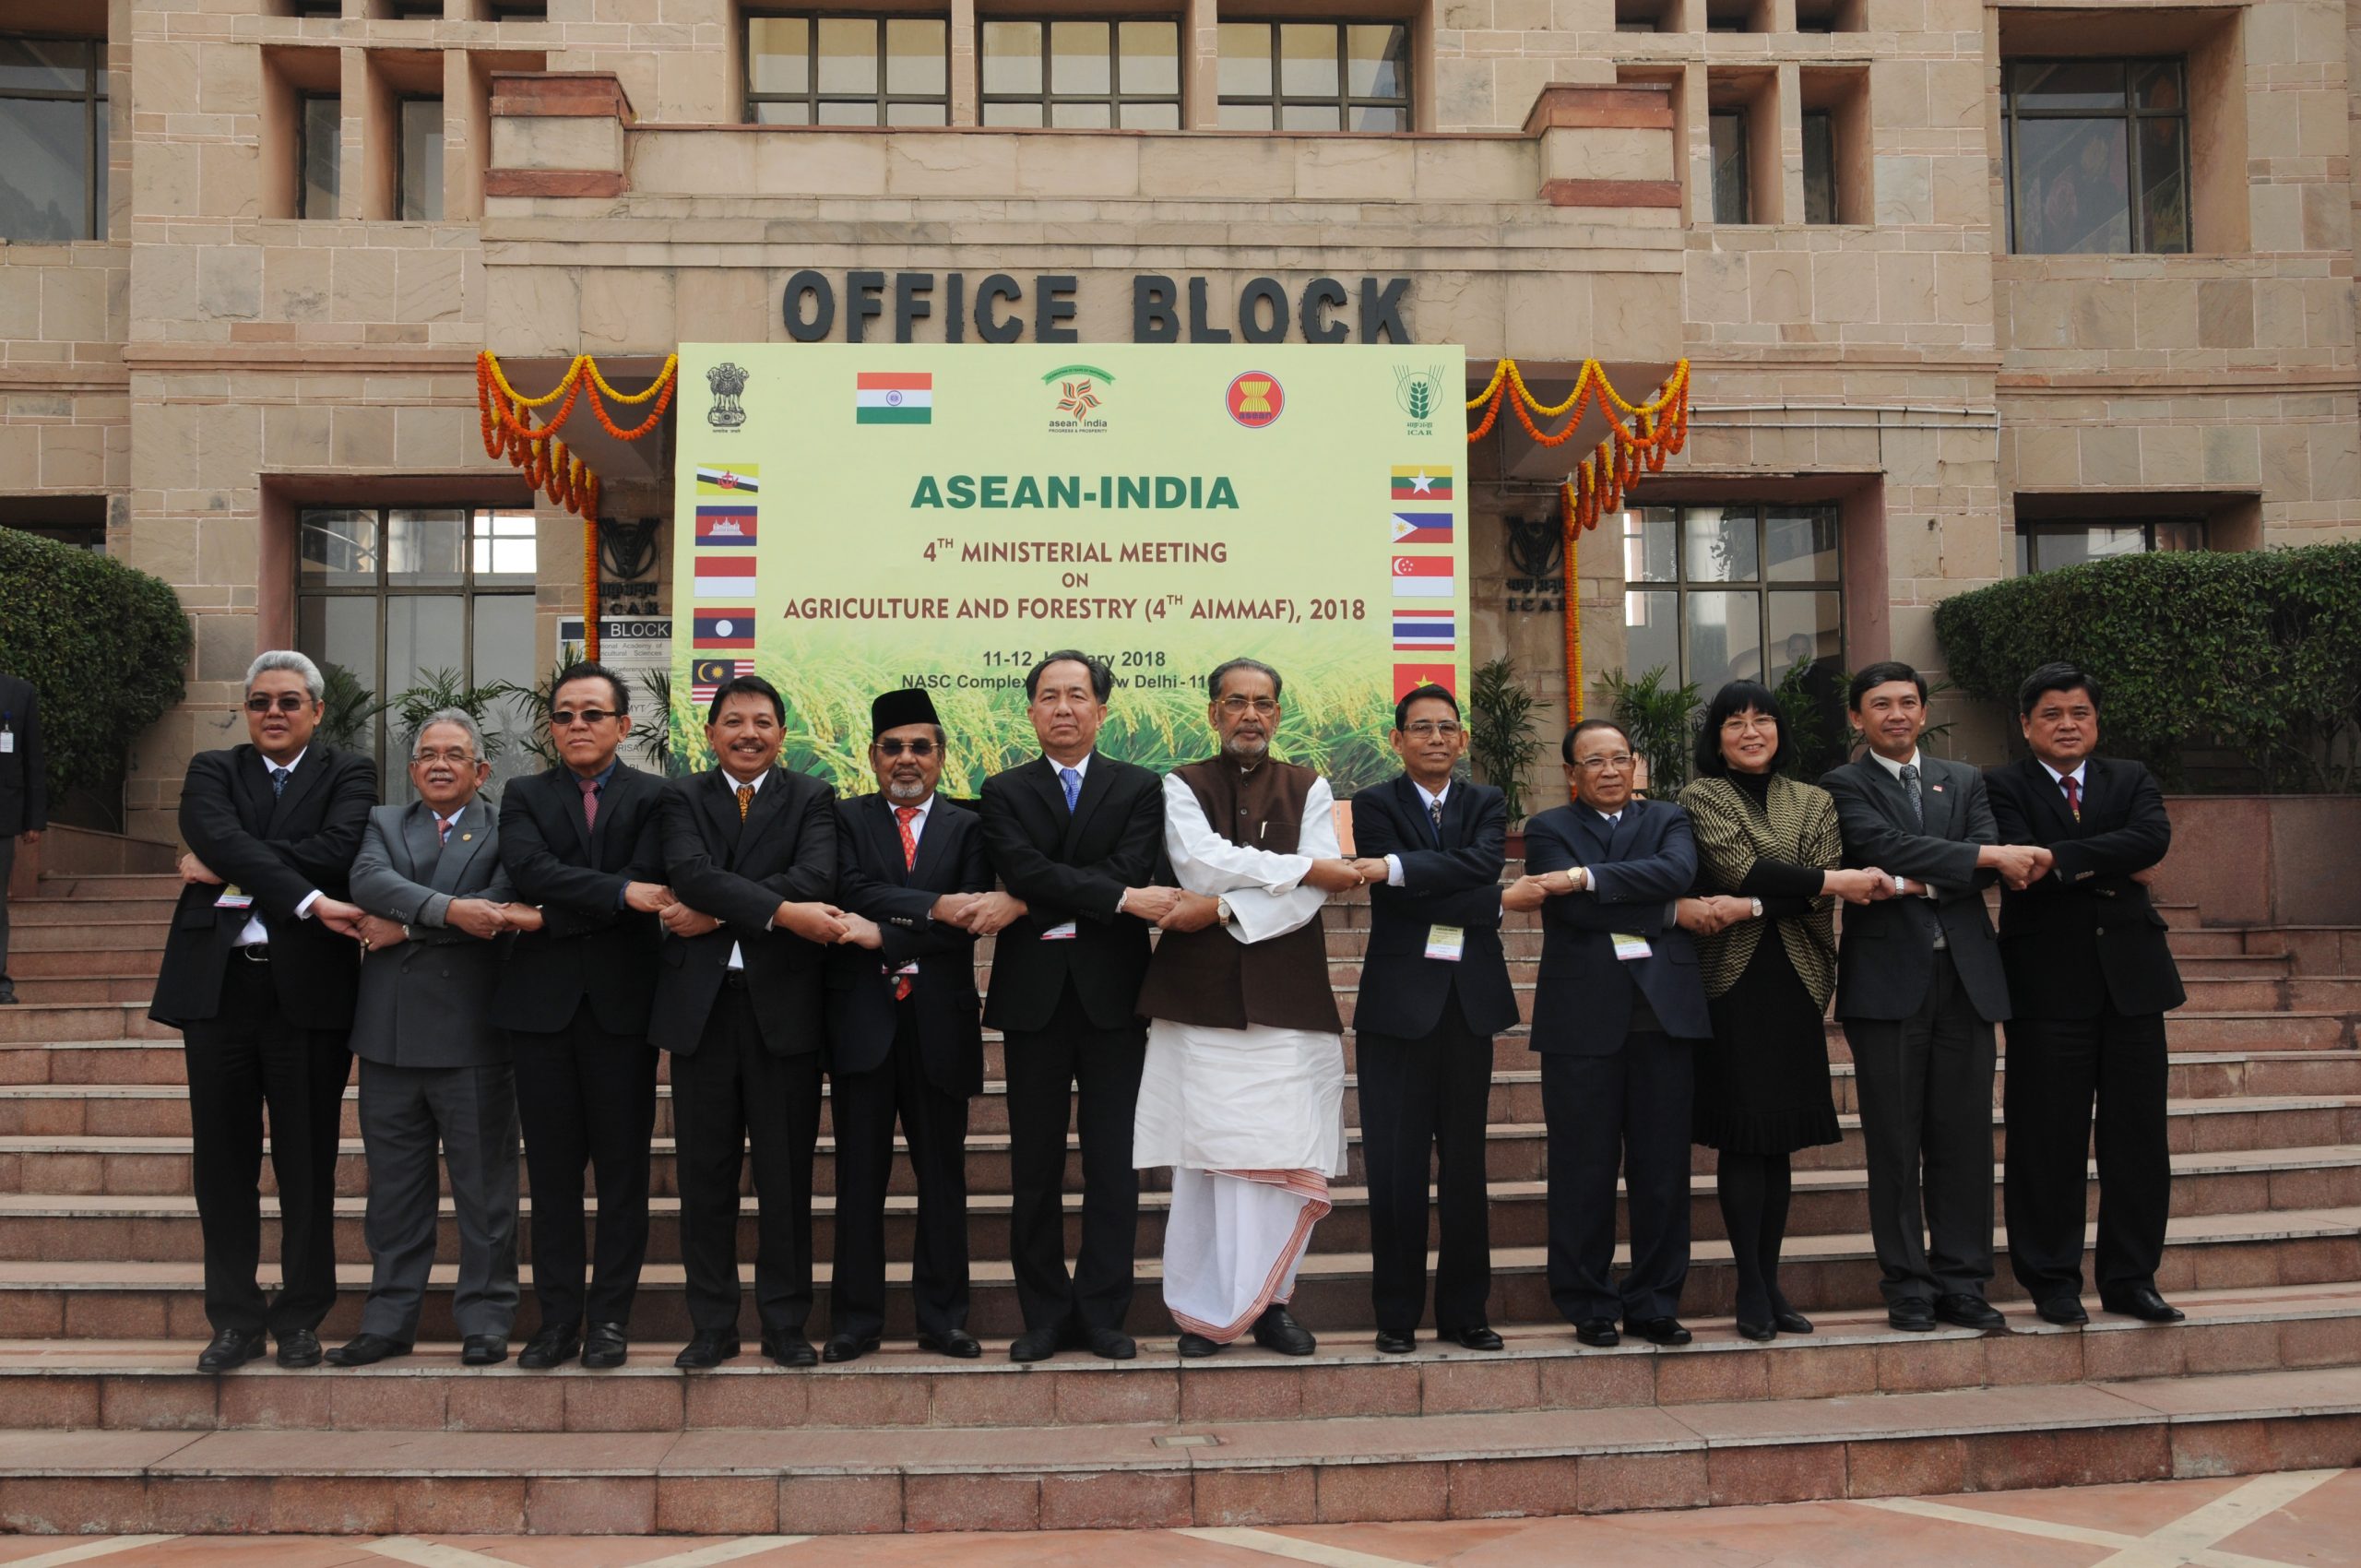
(1408, 678)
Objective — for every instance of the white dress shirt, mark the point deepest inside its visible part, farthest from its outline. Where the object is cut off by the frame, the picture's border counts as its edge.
(1917, 889)
(738, 959)
(254, 933)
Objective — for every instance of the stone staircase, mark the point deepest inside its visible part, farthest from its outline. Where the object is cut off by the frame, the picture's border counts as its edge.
(109, 1427)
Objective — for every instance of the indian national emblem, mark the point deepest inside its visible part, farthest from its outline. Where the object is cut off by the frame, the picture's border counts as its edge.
(727, 381)
(1419, 391)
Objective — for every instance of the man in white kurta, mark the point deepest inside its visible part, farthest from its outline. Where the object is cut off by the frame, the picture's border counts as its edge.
(1244, 1088)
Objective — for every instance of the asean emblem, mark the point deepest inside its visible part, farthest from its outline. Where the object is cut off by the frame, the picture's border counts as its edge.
(726, 380)
(1257, 400)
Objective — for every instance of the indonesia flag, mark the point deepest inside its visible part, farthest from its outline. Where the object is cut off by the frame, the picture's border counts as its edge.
(883, 397)
(725, 576)
(1422, 576)
(1426, 631)
(1408, 678)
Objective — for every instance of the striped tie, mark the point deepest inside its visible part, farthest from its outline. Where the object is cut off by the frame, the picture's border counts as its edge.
(745, 801)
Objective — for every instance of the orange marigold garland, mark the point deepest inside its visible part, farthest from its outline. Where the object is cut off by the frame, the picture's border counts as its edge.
(509, 431)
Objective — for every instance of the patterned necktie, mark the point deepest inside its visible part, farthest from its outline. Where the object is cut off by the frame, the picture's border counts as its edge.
(278, 779)
(590, 802)
(1072, 782)
(443, 826)
(907, 815)
(745, 801)
(1434, 815)
(1910, 788)
(2073, 795)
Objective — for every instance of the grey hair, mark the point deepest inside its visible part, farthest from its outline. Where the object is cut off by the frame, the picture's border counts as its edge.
(1213, 681)
(449, 716)
(288, 658)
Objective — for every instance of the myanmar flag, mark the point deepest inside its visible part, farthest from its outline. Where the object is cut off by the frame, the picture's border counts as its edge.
(889, 397)
(1428, 483)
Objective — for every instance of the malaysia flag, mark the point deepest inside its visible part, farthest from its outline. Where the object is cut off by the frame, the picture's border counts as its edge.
(1422, 576)
(706, 676)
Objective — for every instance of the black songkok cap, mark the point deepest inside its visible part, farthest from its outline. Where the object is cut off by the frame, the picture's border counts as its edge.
(895, 710)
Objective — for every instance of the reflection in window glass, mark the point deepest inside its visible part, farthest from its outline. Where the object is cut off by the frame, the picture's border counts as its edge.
(2044, 547)
(1083, 74)
(506, 544)
(1724, 639)
(421, 159)
(1649, 540)
(1721, 544)
(778, 54)
(847, 71)
(1732, 200)
(916, 65)
(1819, 166)
(2097, 156)
(52, 140)
(338, 546)
(426, 545)
(1650, 632)
(1800, 543)
(1314, 75)
(323, 153)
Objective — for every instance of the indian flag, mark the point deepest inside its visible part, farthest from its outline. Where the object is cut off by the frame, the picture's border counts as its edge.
(892, 397)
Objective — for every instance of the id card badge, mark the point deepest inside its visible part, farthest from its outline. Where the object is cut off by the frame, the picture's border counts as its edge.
(1630, 947)
(233, 899)
(1065, 932)
(1446, 943)
(7, 741)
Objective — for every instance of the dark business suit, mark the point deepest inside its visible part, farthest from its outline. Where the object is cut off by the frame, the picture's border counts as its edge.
(917, 1058)
(1066, 1007)
(1423, 1046)
(574, 999)
(1616, 1040)
(267, 1025)
(1918, 988)
(745, 1043)
(24, 786)
(2091, 977)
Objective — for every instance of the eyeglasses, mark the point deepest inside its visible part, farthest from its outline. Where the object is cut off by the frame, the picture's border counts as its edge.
(564, 717)
(895, 748)
(1426, 728)
(1620, 762)
(289, 702)
(1739, 723)
(1234, 705)
(457, 756)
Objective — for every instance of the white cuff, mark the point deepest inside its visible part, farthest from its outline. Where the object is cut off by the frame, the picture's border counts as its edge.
(1393, 871)
(303, 910)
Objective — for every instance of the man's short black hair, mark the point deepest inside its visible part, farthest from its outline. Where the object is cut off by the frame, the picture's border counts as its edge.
(592, 670)
(1102, 680)
(1737, 697)
(2059, 677)
(1877, 675)
(1428, 693)
(1566, 746)
(737, 685)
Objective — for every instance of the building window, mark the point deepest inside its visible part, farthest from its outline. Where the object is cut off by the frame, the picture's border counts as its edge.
(2097, 156)
(1316, 76)
(2044, 547)
(1716, 594)
(1733, 201)
(421, 159)
(52, 139)
(390, 598)
(1123, 74)
(321, 155)
(847, 70)
(1819, 166)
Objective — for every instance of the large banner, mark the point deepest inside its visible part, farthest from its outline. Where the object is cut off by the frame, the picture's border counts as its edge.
(850, 519)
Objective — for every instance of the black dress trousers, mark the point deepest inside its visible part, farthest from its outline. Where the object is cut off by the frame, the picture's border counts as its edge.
(588, 1100)
(1417, 1097)
(2056, 1066)
(863, 1107)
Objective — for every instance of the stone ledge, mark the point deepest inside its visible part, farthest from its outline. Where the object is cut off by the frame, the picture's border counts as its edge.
(1612, 192)
(559, 94)
(1571, 106)
(598, 183)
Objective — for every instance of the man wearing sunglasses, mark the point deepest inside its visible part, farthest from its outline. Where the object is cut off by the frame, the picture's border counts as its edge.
(260, 979)
(904, 1033)
(582, 840)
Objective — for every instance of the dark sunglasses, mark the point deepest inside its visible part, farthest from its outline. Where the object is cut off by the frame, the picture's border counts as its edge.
(289, 702)
(916, 748)
(564, 717)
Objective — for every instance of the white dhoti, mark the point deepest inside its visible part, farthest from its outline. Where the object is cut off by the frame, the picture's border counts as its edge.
(1252, 1124)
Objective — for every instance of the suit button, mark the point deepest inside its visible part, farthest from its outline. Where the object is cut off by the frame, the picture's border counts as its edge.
(2098, 930)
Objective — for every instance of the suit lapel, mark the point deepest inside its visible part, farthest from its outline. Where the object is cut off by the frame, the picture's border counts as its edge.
(467, 840)
(1887, 790)
(1618, 842)
(886, 836)
(762, 816)
(300, 785)
(934, 844)
(2049, 798)
(419, 842)
(251, 777)
(717, 799)
(1937, 802)
(567, 792)
(1594, 829)
(1096, 780)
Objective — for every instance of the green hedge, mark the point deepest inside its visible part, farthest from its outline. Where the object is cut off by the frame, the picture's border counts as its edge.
(103, 645)
(2257, 653)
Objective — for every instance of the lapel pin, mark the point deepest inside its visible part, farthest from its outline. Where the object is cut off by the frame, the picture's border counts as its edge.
(1938, 789)
(467, 838)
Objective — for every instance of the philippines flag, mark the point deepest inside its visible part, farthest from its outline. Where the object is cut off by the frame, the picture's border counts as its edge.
(725, 576)
(708, 675)
(1408, 678)
(724, 628)
(725, 528)
(1422, 576)
(894, 397)
(1422, 527)
(1426, 482)
(1427, 631)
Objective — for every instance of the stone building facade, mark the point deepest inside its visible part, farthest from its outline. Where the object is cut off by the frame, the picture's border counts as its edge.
(1967, 288)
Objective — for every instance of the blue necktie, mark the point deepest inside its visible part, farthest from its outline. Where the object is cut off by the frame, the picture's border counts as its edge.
(1072, 782)
(1434, 820)
(278, 779)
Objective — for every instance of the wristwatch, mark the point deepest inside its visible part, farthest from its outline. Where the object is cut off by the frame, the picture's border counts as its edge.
(1758, 907)
(1222, 910)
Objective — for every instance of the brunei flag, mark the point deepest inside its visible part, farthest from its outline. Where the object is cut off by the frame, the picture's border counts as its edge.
(1422, 527)
(745, 481)
(724, 628)
(1408, 678)
(725, 576)
(888, 396)
(1425, 483)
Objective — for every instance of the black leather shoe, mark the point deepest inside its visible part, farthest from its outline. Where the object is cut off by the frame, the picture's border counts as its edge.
(1659, 1330)
(555, 1346)
(1396, 1344)
(2067, 1312)
(366, 1349)
(1477, 1339)
(707, 1348)
(483, 1350)
(791, 1350)
(232, 1347)
(1196, 1346)
(1911, 1314)
(845, 1348)
(1968, 1312)
(1034, 1345)
(1598, 1332)
(953, 1342)
(1786, 1320)
(300, 1348)
(1112, 1345)
(7, 992)
(606, 1346)
(1761, 1333)
(1276, 1329)
(2142, 1302)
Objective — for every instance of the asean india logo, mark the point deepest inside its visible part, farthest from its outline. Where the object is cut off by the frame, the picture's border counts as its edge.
(1419, 393)
(728, 381)
(1081, 392)
(1256, 399)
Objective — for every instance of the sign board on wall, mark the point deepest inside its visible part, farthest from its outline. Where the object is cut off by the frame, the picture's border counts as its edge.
(852, 518)
(630, 646)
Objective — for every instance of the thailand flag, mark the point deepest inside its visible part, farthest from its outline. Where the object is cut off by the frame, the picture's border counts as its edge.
(1426, 631)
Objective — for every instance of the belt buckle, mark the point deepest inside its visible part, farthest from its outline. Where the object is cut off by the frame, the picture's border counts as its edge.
(256, 952)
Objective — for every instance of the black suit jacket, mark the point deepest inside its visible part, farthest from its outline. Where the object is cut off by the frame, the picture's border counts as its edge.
(278, 848)
(24, 788)
(1454, 881)
(1071, 866)
(1583, 1003)
(785, 852)
(588, 947)
(872, 880)
(1886, 958)
(2085, 933)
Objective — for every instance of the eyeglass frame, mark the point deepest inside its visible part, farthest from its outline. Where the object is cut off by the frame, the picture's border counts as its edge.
(288, 702)
(891, 746)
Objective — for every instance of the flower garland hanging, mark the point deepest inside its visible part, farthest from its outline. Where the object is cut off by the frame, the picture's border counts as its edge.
(1639, 437)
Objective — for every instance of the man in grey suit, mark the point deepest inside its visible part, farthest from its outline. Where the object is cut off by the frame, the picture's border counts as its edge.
(433, 1067)
(1918, 988)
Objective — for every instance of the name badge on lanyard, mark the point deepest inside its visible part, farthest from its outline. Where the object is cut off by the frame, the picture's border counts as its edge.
(232, 898)
(1628, 948)
(1446, 943)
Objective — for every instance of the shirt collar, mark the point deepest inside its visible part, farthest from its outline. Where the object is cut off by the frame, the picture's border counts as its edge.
(290, 764)
(923, 807)
(2059, 778)
(756, 780)
(1895, 767)
(451, 821)
(1610, 817)
(1435, 798)
(1081, 768)
(601, 779)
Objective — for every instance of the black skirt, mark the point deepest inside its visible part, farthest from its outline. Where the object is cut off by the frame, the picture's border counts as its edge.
(1762, 1080)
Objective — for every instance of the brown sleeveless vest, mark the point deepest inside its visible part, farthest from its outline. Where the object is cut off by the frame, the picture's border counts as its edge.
(1211, 979)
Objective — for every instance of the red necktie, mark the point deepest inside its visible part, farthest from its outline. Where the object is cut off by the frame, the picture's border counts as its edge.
(907, 815)
(442, 828)
(589, 801)
(2073, 795)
